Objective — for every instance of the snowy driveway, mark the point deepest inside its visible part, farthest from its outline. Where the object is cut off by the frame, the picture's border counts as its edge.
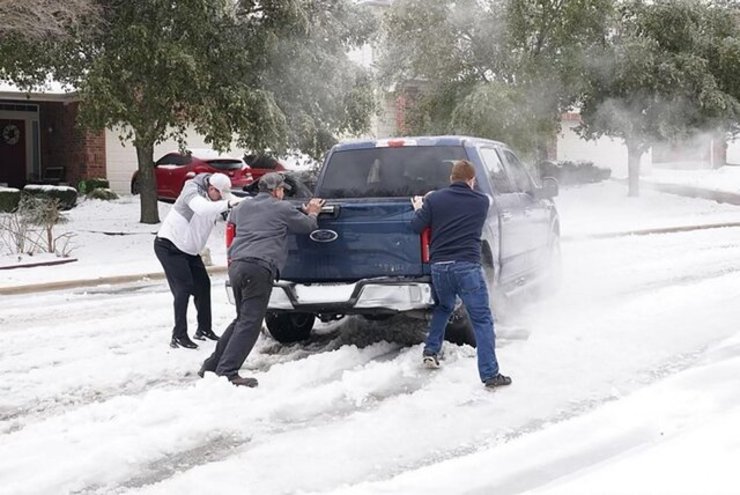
(93, 401)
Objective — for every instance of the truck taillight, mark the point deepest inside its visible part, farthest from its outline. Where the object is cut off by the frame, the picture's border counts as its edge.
(426, 239)
(230, 233)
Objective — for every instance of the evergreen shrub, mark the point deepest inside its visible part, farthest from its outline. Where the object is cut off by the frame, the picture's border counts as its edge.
(66, 195)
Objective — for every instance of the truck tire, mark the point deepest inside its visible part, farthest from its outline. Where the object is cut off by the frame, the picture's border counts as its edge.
(289, 327)
(459, 329)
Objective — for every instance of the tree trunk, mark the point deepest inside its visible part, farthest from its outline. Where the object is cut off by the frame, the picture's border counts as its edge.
(633, 168)
(147, 184)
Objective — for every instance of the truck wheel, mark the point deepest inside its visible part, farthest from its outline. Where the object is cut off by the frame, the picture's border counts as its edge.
(135, 189)
(459, 329)
(289, 327)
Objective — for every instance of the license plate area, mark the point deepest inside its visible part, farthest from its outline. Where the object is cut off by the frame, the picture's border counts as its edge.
(312, 294)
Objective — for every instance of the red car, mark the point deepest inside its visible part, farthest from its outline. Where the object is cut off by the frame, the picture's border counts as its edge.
(262, 164)
(173, 169)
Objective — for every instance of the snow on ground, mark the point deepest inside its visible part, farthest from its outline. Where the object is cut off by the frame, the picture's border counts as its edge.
(108, 241)
(624, 382)
(726, 179)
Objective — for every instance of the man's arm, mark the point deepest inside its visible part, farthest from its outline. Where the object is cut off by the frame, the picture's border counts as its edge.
(201, 206)
(422, 215)
(300, 223)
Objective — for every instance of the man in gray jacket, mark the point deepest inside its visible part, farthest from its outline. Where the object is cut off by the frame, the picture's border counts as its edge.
(178, 244)
(257, 255)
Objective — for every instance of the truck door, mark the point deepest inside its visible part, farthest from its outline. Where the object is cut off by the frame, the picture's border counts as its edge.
(536, 215)
(510, 207)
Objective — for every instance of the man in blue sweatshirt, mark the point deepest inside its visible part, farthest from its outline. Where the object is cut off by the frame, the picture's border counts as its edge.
(456, 215)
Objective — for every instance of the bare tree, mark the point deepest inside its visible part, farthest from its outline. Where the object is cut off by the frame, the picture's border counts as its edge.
(42, 18)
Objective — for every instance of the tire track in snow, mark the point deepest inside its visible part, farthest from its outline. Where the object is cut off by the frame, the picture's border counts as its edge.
(273, 417)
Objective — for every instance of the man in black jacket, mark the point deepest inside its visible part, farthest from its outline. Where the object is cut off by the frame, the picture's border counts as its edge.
(257, 255)
(456, 215)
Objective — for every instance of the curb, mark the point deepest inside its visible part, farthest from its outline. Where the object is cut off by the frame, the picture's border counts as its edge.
(75, 284)
(688, 191)
(696, 192)
(657, 230)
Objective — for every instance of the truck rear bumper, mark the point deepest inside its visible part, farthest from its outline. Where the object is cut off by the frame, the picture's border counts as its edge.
(365, 296)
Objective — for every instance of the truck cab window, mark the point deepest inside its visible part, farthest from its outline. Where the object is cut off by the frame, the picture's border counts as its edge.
(496, 171)
(388, 172)
(521, 179)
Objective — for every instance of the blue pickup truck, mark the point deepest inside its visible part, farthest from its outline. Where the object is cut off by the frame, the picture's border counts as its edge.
(364, 259)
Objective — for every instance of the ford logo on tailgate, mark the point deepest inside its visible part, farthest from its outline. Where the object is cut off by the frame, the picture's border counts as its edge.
(323, 235)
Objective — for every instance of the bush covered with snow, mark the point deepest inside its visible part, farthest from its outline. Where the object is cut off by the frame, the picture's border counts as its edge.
(66, 195)
(568, 173)
(9, 199)
(85, 186)
(102, 193)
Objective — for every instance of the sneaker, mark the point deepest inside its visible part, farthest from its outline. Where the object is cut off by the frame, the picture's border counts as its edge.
(183, 342)
(205, 334)
(243, 381)
(497, 381)
(430, 361)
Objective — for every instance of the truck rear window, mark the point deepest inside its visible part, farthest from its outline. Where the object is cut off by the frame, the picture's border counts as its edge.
(388, 172)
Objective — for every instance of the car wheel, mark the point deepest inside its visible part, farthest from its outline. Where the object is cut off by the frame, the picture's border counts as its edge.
(289, 327)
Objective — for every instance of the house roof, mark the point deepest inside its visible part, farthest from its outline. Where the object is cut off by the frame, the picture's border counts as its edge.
(50, 91)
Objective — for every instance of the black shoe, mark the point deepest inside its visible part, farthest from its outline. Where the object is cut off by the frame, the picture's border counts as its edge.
(243, 381)
(183, 342)
(497, 381)
(205, 334)
(430, 361)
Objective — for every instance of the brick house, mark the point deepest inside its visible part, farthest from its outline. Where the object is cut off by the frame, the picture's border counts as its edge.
(39, 141)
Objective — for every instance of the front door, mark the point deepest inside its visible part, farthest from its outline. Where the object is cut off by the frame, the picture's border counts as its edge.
(13, 152)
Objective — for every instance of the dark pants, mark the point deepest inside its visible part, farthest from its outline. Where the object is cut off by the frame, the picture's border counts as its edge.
(252, 285)
(186, 276)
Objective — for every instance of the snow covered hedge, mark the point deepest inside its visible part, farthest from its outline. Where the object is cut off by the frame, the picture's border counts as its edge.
(9, 198)
(86, 186)
(568, 173)
(66, 195)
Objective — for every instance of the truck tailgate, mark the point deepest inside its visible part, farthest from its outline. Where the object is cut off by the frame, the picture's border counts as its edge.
(359, 239)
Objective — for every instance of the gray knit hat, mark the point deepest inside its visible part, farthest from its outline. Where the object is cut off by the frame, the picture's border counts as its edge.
(271, 181)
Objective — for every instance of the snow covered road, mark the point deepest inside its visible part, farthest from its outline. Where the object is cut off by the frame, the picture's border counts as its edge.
(93, 401)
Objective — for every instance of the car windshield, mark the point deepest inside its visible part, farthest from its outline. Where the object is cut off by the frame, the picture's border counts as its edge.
(226, 164)
(388, 172)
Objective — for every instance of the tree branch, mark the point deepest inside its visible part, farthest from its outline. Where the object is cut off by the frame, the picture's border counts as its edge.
(37, 19)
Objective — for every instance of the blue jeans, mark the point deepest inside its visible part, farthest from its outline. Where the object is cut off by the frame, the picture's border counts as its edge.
(464, 279)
